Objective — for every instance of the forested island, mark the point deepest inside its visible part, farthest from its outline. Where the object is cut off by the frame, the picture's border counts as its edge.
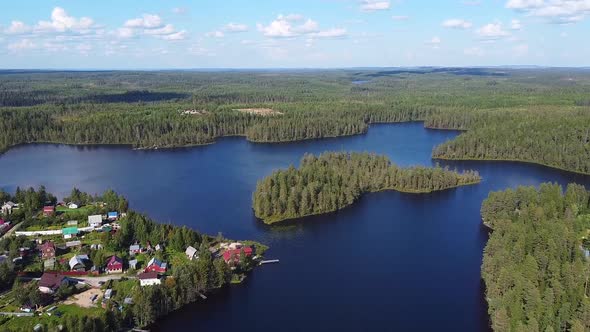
(91, 264)
(535, 263)
(334, 180)
(532, 115)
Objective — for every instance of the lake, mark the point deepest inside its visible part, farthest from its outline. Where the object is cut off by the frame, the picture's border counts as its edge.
(391, 261)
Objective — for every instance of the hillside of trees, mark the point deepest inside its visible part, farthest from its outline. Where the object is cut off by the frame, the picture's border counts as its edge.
(559, 139)
(534, 268)
(537, 116)
(335, 180)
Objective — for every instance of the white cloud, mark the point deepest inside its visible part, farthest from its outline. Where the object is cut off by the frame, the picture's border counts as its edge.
(374, 5)
(289, 26)
(474, 51)
(281, 27)
(455, 23)
(400, 18)
(515, 25)
(215, 34)
(17, 28)
(147, 21)
(492, 31)
(554, 11)
(165, 30)
(235, 27)
(179, 10)
(308, 27)
(180, 35)
(331, 33)
(23, 44)
(54, 47)
(524, 4)
(125, 33)
(62, 22)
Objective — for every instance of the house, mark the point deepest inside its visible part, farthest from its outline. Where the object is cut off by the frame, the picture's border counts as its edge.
(234, 254)
(72, 244)
(50, 282)
(149, 279)
(78, 263)
(190, 252)
(133, 264)
(48, 210)
(47, 250)
(68, 232)
(8, 207)
(112, 216)
(134, 249)
(96, 246)
(72, 205)
(114, 265)
(108, 293)
(155, 265)
(159, 247)
(95, 220)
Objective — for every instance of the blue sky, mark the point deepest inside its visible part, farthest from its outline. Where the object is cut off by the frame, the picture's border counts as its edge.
(80, 34)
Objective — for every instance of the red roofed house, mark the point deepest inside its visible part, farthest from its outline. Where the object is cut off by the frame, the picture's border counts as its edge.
(48, 210)
(234, 254)
(50, 282)
(155, 265)
(114, 265)
(47, 250)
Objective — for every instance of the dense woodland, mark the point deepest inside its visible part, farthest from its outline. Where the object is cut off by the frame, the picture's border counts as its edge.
(334, 180)
(536, 115)
(534, 267)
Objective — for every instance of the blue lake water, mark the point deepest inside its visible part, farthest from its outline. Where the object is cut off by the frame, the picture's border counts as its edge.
(391, 261)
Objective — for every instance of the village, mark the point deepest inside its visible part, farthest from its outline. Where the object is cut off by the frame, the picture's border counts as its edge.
(66, 259)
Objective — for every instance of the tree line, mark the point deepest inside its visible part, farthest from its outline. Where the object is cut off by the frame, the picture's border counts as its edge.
(334, 180)
(534, 267)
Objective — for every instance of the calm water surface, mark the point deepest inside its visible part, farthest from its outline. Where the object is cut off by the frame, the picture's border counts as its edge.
(390, 262)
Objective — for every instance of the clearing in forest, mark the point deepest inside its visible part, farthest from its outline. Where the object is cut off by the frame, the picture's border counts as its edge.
(259, 111)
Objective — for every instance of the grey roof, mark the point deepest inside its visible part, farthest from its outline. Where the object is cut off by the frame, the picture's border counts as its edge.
(95, 219)
(78, 259)
(134, 247)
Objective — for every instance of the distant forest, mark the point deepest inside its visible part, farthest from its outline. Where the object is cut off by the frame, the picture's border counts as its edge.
(534, 115)
(335, 180)
(534, 265)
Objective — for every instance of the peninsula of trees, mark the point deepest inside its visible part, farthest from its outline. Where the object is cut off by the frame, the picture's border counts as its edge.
(535, 264)
(335, 180)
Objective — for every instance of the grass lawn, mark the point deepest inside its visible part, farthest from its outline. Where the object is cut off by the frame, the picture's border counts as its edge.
(28, 323)
(123, 288)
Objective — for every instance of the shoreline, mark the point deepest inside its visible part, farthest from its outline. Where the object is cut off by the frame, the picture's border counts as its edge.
(271, 221)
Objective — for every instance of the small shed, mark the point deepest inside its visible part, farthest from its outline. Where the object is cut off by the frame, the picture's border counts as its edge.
(95, 220)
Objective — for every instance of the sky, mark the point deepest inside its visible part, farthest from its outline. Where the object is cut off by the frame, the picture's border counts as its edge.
(169, 34)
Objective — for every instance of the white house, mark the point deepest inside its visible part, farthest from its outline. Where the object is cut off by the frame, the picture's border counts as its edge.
(8, 206)
(95, 220)
(72, 205)
(149, 279)
(190, 252)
